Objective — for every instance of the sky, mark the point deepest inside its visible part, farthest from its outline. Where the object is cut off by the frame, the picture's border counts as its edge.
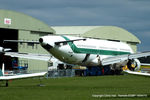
(132, 15)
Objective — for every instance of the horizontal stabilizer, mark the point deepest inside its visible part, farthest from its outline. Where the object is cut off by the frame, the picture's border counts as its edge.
(7, 49)
(22, 41)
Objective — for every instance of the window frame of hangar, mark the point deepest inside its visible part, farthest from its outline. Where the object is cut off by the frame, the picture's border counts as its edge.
(28, 45)
(34, 46)
(40, 33)
(33, 33)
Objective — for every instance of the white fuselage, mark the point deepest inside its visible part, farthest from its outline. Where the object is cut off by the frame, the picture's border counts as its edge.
(89, 52)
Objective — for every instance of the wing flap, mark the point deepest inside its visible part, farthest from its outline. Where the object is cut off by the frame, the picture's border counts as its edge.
(138, 55)
(112, 60)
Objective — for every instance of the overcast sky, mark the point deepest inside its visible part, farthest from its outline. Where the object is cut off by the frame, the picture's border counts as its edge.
(132, 15)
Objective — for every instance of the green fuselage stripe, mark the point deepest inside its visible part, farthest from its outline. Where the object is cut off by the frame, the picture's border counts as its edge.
(93, 51)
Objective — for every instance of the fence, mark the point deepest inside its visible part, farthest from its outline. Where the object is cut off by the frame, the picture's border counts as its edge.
(61, 73)
(50, 74)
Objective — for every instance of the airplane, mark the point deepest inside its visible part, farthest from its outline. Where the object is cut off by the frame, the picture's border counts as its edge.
(3, 50)
(88, 52)
(4, 77)
(91, 52)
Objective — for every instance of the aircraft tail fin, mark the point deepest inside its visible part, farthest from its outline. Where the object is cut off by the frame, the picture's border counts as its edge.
(2, 70)
(1, 74)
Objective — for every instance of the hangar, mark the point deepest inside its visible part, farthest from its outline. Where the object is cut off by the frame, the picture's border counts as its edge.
(18, 26)
(111, 33)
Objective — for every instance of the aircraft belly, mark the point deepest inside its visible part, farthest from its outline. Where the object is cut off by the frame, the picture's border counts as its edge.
(67, 56)
(76, 58)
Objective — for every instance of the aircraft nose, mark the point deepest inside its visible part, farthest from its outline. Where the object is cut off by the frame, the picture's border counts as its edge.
(1, 49)
(41, 40)
(45, 44)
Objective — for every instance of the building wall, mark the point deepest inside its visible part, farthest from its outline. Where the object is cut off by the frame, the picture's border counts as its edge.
(33, 65)
(133, 46)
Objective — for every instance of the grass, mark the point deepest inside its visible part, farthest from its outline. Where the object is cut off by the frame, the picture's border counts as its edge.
(76, 88)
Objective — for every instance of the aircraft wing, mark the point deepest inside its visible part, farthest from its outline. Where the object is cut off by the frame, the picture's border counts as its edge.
(5, 78)
(145, 64)
(120, 58)
(43, 57)
(137, 73)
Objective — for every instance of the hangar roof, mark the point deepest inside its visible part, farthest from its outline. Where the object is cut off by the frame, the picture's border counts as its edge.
(100, 32)
(72, 30)
(112, 33)
(14, 20)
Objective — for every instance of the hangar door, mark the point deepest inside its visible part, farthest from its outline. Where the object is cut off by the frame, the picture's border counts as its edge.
(8, 34)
